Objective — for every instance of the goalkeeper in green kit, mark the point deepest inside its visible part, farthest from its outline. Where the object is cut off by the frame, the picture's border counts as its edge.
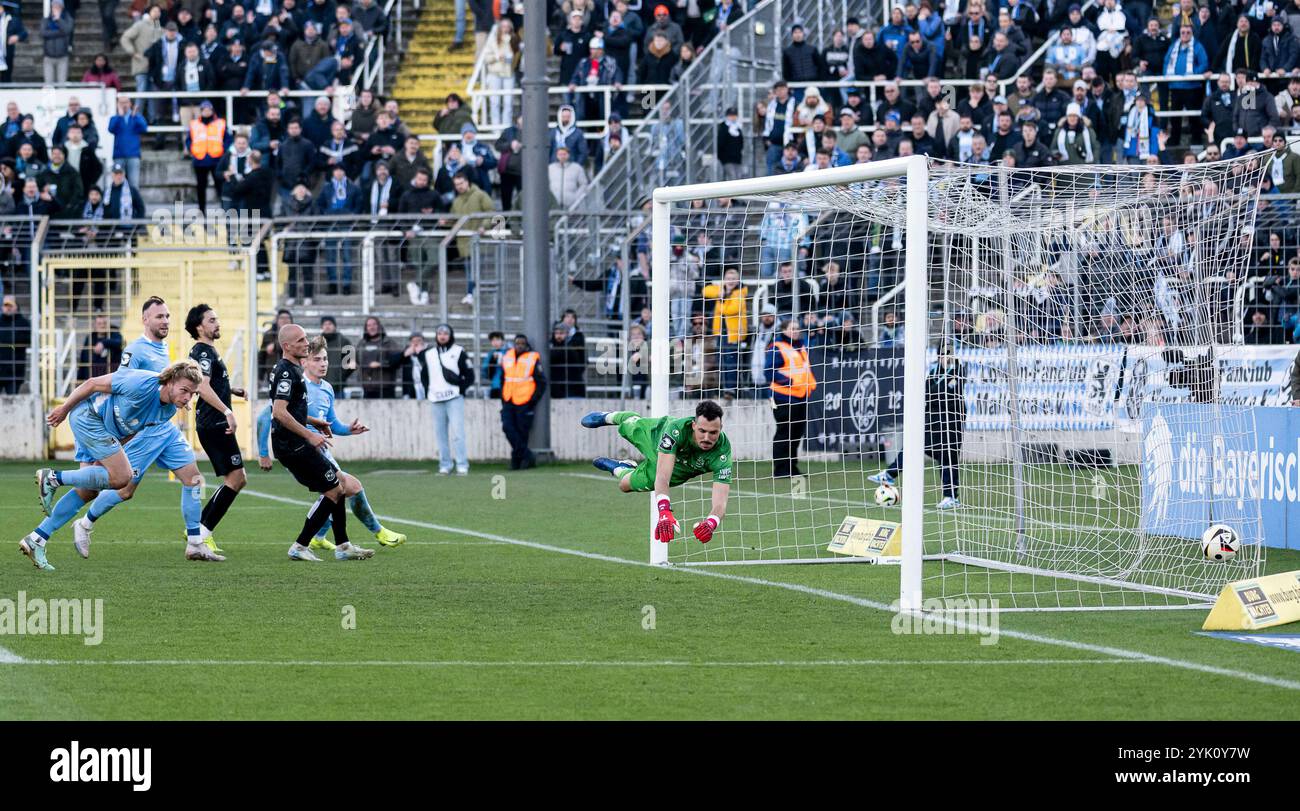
(676, 450)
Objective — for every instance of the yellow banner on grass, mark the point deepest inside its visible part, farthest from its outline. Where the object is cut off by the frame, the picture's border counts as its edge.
(1261, 602)
(868, 538)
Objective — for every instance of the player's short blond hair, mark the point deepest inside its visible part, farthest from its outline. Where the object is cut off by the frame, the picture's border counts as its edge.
(183, 370)
(316, 346)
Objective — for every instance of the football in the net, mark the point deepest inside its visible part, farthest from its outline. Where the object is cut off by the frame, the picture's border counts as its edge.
(886, 495)
(1220, 542)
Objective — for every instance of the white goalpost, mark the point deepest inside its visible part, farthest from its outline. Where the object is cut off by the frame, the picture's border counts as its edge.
(1029, 354)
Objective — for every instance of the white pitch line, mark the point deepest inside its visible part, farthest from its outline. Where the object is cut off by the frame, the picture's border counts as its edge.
(971, 628)
(580, 663)
(8, 657)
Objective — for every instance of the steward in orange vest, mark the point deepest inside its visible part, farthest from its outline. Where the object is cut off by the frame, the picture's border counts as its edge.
(791, 379)
(206, 142)
(522, 386)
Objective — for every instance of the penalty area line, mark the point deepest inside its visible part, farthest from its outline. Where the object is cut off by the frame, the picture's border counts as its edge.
(971, 628)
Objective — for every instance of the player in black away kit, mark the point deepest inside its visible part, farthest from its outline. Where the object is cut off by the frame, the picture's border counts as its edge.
(218, 442)
(298, 448)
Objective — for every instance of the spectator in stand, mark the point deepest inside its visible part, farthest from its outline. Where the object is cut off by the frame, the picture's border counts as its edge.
(101, 352)
(12, 32)
(300, 254)
(501, 56)
(81, 156)
(801, 62)
(1284, 166)
(385, 142)
(164, 57)
(1186, 56)
(101, 72)
(406, 163)
(453, 115)
(872, 61)
(339, 196)
(568, 361)
(811, 108)
(267, 71)
(318, 123)
(667, 140)
(1001, 60)
(1112, 38)
(663, 24)
(138, 40)
(15, 341)
(255, 190)
(658, 60)
(122, 200)
(730, 326)
(942, 124)
(341, 355)
(330, 74)
(56, 43)
(1075, 141)
(1242, 49)
(1050, 102)
(1141, 134)
(570, 44)
(568, 180)
(790, 161)
(193, 75)
(1253, 108)
(307, 52)
(478, 157)
(470, 200)
(920, 59)
(731, 145)
(778, 117)
(378, 357)
(1260, 331)
(63, 182)
(1067, 57)
(566, 133)
(363, 115)
(1031, 153)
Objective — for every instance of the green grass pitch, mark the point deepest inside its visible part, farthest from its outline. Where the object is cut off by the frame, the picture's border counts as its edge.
(525, 595)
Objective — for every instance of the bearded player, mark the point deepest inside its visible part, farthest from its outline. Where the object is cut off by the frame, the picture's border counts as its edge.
(676, 450)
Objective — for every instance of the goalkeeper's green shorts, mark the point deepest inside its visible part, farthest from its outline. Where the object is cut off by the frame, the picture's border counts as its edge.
(643, 435)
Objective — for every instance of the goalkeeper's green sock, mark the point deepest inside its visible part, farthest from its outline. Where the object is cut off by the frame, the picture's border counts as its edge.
(619, 417)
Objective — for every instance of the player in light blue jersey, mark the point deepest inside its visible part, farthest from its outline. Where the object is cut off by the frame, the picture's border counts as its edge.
(161, 444)
(322, 419)
(148, 352)
(110, 416)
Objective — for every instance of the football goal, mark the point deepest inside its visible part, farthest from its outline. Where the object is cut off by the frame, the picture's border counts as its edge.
(1005, 380)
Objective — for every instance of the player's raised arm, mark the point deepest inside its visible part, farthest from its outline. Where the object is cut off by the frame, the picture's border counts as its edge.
(95, 385)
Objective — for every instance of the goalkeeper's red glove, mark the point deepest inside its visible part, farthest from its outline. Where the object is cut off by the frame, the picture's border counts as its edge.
(666, 527)
(704, 529)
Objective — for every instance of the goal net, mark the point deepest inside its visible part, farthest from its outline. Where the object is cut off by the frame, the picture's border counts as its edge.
(1034, 357)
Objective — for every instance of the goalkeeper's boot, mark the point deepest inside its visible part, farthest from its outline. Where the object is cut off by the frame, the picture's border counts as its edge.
(198, 550)
(82, 529)
(595, 419)
(321, 544)
(298, 552)
(948, 503)
(46, 486)
(36, 551)
(882, 477)
(612, 465)
(386, 537)
(350, 551)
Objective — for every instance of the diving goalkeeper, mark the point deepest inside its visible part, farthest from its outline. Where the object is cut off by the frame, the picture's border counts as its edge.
(676, 450)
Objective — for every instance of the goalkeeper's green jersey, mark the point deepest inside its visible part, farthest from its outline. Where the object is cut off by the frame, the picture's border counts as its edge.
(653, 436)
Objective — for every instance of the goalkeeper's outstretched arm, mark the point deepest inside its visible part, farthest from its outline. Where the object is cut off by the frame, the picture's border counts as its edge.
(704, 530)
(665, 525)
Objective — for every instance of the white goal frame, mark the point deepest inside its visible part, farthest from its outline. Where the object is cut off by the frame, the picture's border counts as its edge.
(915, 173)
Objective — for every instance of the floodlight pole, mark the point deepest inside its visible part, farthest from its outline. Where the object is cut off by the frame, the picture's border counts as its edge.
(536, 202)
